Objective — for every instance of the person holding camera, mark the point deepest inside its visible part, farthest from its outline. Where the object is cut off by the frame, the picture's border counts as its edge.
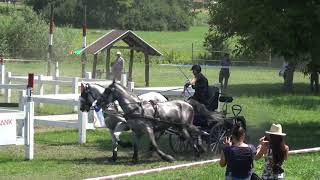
(275, 151)
(237, 155)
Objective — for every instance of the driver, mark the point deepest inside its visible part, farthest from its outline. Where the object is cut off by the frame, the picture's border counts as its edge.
(199, 100)
(200, 84)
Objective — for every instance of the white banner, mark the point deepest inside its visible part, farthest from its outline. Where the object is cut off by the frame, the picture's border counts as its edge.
(8, 129)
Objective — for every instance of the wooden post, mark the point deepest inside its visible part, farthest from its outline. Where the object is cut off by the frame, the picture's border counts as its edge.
(84, 39)
(94, 66)
(50, 41)
(107, 63)
(146, 74)
(8, 90)
(130, 65)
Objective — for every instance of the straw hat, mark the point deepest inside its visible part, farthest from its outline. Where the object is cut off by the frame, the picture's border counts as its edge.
(276, 129)
(118, 53)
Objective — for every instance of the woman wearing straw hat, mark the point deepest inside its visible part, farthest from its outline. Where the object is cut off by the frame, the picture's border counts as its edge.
(275, 151)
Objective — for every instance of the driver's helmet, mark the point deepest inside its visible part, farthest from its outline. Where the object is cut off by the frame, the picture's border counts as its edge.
(196, 67)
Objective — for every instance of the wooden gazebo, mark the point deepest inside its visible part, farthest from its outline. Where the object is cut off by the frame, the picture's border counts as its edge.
(134, 42)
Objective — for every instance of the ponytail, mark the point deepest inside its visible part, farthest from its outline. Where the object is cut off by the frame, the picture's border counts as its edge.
(238, 131)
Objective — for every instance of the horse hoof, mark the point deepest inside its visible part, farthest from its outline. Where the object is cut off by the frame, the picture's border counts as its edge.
(170, 159)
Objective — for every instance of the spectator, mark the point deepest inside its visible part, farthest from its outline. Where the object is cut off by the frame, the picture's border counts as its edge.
(118, 67)
(237, 155)
(275, 151)
(224, 71)
(314, 70)
(284, 70)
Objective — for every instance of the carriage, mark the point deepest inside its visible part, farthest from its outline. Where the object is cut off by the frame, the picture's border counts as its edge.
(215, 129)
(174, 117)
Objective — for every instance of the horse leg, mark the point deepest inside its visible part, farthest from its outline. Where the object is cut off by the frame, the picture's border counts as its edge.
(135, 157)
(152, 138)
(190, 140)
(158, 134)
(120, 127)
(114, 137)
(193, 129)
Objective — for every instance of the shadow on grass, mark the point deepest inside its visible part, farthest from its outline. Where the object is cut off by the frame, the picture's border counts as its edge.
(304, 135)
(267, 89)
(297, 102)
(121, 161)
(299, 136)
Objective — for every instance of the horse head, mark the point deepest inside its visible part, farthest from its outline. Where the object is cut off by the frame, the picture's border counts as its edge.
(89, 93)
(108, 96)
(116, 92)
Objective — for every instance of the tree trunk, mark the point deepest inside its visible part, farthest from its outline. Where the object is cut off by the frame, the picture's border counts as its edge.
(288, 78)
(315, 56)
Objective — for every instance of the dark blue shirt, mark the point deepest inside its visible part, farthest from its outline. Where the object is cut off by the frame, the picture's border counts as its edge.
(239, 160)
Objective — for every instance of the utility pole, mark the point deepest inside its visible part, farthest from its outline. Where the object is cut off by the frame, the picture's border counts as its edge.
(84, 39)
(49, 55)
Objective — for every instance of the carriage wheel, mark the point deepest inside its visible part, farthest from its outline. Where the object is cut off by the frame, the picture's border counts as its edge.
(179, 144)
(217, 134)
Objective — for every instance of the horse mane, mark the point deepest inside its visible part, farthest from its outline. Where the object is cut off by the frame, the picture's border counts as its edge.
(96, 86)
(126, 90)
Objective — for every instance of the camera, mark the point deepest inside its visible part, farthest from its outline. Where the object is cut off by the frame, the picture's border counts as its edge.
(266, 138)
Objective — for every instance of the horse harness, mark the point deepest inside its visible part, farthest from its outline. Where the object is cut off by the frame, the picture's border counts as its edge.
(132, 115)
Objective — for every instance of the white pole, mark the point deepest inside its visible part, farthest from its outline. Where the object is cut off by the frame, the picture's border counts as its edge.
(130, 86)
(22, 107)
(75, 90)
(8, 90)
(29, 121)
(2, 76)
(56, 77)
(83, 119)
(40, 87)
(88, 75)
(124, 79)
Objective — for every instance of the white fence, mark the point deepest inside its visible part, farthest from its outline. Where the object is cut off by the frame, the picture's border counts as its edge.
(17, 126)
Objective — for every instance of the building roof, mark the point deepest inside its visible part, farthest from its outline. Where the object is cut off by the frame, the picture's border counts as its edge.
(129, 37)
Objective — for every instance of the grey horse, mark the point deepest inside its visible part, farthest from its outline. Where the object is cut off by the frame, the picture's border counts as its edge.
(113, 114)
(147, 118)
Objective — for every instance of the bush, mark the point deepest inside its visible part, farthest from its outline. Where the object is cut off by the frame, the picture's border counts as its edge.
(25, 35)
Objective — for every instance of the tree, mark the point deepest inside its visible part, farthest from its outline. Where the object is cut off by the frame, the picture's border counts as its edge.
(120, 14)
(282, 26)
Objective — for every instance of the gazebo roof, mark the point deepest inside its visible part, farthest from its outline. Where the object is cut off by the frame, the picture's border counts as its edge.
(129, 37)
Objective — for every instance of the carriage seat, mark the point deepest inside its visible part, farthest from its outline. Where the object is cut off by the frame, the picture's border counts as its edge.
(213, 93)
(226, 99)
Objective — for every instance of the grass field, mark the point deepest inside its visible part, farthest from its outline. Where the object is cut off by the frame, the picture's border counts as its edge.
(256, 89)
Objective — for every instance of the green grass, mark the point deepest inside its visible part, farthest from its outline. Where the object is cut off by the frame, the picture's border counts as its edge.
(165, 40)
(256, 89)
(175, 46)
(306, 170)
